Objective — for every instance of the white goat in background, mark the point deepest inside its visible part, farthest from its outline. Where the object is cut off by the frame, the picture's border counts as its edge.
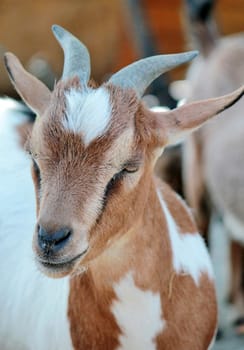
(214, 155)
(136, 274)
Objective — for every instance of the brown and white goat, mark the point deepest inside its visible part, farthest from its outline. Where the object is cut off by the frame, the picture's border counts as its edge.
(139, 274)
(214, 155)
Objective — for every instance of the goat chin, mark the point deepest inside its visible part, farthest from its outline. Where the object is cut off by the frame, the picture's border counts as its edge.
(55, 270)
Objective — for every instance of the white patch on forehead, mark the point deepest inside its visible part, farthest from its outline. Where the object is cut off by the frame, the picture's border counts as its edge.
(189, 252)
(88, 112)
(138, 314)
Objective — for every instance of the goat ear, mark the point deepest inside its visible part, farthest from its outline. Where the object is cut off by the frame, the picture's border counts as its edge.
(35, 94)
(174, 125)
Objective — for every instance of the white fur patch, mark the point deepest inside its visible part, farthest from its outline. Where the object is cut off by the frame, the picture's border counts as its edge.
(235, 227)
(138, 314)
(88, 112)
(33, 308)
(190, 254)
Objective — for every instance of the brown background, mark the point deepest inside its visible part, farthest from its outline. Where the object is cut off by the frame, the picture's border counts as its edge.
(101, 25)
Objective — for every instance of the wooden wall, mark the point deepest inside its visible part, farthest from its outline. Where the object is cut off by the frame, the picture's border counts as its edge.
(166, 23)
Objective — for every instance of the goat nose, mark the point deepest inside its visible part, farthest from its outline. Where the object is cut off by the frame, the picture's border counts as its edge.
(53, 242)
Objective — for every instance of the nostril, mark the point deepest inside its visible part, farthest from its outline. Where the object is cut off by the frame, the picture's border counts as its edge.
(62, 235)
(53, 241)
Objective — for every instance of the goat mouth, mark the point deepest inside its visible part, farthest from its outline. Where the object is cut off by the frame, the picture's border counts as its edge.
(62, 267)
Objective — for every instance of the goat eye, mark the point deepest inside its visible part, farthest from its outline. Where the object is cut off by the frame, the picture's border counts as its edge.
(114, 182)
(130, 169)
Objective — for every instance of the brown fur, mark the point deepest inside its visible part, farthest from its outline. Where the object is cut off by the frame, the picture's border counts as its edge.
(122, 237)
(97, 327)
(118, 214)
(139, 251)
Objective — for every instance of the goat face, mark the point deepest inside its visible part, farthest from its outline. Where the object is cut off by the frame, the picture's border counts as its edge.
(88, 160)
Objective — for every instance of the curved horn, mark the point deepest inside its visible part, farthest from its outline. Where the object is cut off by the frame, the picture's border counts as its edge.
(140, 74)
(76, 55)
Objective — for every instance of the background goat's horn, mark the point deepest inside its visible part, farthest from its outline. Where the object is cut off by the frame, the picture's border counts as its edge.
(76, 55)
(140, 74)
